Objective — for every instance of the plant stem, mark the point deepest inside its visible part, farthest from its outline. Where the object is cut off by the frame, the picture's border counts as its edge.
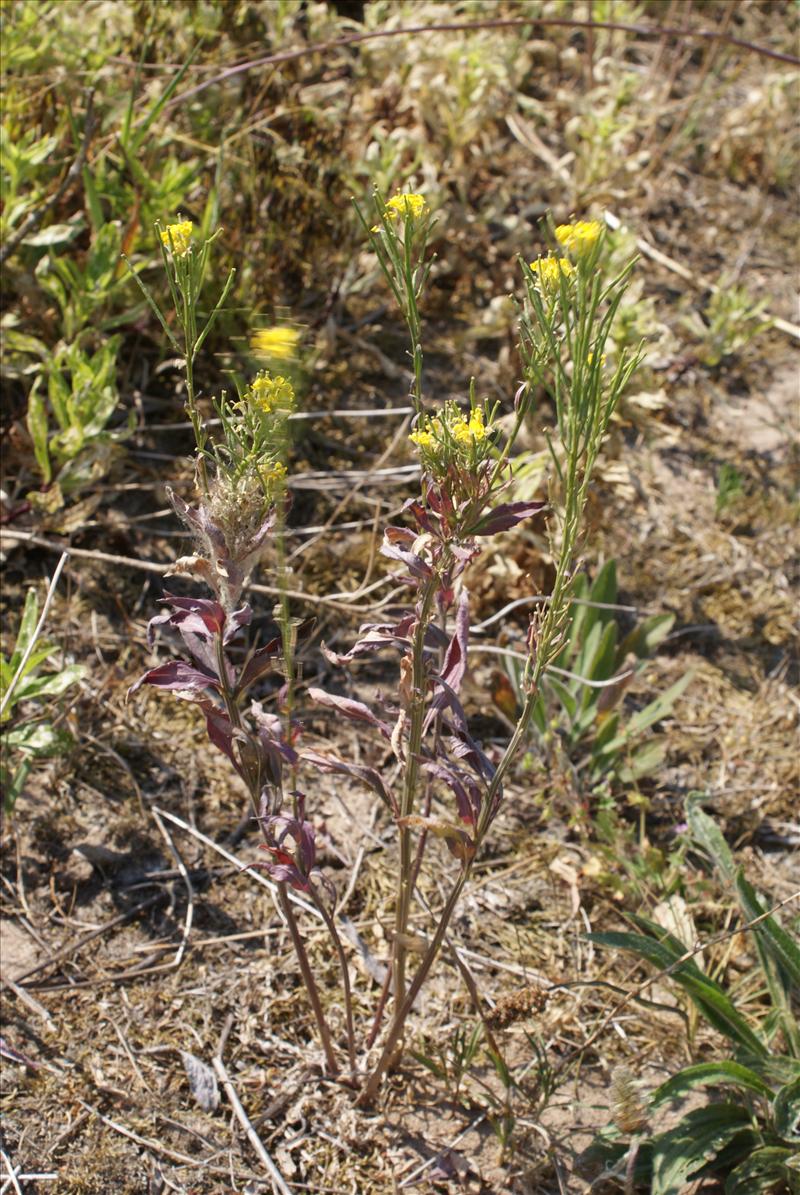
(418, 685)
(308, 979)
(348, 998)
(254, 787)
(371, 1086)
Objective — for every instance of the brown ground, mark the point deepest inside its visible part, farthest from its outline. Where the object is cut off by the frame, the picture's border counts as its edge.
(127, 941)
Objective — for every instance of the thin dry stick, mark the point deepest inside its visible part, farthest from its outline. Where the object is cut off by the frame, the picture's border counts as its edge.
(278, 1183)
(69, 950)
(9, 693)
(152, 566)
(466, 26)
(157, 1148)
(181, 866)
(11, 1177)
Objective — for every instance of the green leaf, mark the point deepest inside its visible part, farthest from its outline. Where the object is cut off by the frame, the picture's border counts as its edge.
(660, 708)
(27, 626)
(93, 200)
(695, 1140)
(707, 834)
(54, 234)
(786, 1112)
(709, 1074)
(642, 762)
(565, 696)
(37, 739)
(604, 589)
(760, 1172)
(13, 784)
(36, 421)
(52, 685)
(774, 937)
(645, 638)
(714, 1003)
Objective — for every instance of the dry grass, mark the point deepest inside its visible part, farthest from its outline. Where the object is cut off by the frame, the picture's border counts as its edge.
(104, 1102)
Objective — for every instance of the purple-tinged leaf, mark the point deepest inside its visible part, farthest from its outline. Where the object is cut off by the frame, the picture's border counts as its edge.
(422, 517)
(505, 516)
(415, 564)
(259, 664)
(236, 620)
(220, 732)
(273, 749)
(368, 776)
(467, 792)
(199, 615)
(400, 543)
(439, 501)
(190, 684)
(446, 698)
(372, 637)
(454, 665)
(355, 710)
(463, 746)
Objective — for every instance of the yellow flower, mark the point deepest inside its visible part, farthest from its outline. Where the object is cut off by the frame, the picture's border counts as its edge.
(550, 269)
(579, 238)
(271, 393)
(461, 433)
(590, 359)
(406, 204)
(423, 439)
(279, 343)
(273, 474)
(476, 427)
(178, 237)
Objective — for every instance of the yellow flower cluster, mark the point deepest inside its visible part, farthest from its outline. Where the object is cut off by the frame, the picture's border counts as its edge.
(423, 440)
(470, 431)
(273, 475)
(550, 270)
(579, 238)
(452, 426)
(269, 394)
(178, 237)
(406, 204)
(278, 343)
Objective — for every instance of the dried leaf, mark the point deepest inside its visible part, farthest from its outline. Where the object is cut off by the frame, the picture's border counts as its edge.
(202, 1081)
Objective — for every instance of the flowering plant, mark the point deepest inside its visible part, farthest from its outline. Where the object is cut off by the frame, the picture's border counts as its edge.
(446, 788)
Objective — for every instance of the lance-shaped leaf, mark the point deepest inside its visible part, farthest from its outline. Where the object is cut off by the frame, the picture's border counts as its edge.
(396, 545)
(423, 517)
(220, 732)
(273, 748)
(356, 711)
(292, 868)
(468, 794)
(200, 616)
(455, 660)
(259, 664)
(372, 637)
(505, 516)
(457, 841)
(445, 698)
(368, 776)
(187, 682)
(236, 620)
